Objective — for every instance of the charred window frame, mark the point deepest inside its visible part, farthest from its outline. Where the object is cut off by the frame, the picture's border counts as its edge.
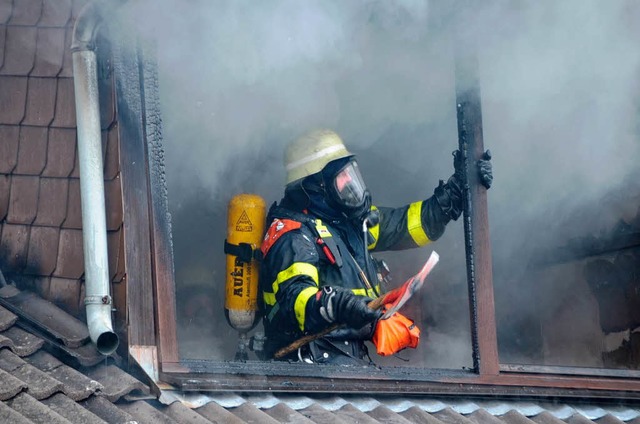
(151, 293)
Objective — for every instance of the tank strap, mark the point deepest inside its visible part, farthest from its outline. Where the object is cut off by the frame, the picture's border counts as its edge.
(244, 251)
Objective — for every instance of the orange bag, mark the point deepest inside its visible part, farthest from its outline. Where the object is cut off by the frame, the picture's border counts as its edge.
(394, 334)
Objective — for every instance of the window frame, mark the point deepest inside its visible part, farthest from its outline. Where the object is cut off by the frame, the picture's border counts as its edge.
(151, 296)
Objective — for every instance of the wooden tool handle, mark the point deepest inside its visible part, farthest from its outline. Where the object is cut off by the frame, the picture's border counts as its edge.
(374, 304)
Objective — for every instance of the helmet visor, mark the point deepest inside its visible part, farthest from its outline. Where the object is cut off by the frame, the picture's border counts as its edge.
(349, 185)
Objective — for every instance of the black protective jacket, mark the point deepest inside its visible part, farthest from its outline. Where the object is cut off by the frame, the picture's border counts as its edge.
(303, 253)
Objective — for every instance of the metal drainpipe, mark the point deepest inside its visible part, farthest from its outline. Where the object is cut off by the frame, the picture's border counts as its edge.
(94, 225)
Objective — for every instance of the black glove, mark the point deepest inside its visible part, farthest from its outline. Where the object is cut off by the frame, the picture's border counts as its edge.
(486, 169)
(338, 305)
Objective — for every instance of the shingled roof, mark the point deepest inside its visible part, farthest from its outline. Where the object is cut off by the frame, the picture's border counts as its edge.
(50, 372)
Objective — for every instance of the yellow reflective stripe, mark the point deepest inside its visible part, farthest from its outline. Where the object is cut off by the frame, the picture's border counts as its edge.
(375, 232)
(269, 298)
(366, 292)
(323, 231)
(414, 224)
(297, 268)
(300, 307)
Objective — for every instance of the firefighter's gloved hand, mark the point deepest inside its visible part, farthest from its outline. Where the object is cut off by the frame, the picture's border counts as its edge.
(486, 169)
(341, 306)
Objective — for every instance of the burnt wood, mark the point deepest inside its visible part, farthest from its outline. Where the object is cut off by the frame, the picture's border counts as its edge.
(135, 193)
(476, 218)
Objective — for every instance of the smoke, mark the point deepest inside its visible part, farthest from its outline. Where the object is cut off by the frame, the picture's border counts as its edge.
(239, 80)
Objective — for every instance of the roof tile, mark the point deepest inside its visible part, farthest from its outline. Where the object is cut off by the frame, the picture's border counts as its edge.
(24, 344)
(26, 12)
(482, 416)
(3, 37)
(8, 415)
(49, 52)
(55, 13)
(320, 415)
(77, 6)
(217, 414)
(41, 99)
(61, 152)
(545, 418)
(23, 201)
(448, 415)
(13, 247)
(283, 414)
(19, 50)
(32, 153)
(40, 285)
(609, 419)
(417, 415)
(107, 410)
(70, 255)
(145, 413)
(76, 385)
(65, 116)
(107, 103)
(67, 63)
(35, 411)
(13, 97)
(10, 386)
(578, 419)
(112, 154)
(42, 253)
(115, 243)
(75, 173)
(250, 413)
(65, 292)
(5, 191)
(7, 318)
(74, 213)
(9, 141)
(71, 410)
(40, 384)
(385, 415)
(113, 203)
(182, 414)
(52, 205)
(353, 414)
(6, 7)
(116, 382)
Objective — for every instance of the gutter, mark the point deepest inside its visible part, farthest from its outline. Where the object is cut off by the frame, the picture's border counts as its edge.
(98, 299)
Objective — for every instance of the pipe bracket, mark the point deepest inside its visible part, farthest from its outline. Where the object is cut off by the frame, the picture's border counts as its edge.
(97, 300)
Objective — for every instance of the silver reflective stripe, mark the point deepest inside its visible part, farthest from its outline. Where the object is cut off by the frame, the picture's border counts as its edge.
(317, 155)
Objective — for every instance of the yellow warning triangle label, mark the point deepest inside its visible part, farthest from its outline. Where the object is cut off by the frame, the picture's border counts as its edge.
(244, 223)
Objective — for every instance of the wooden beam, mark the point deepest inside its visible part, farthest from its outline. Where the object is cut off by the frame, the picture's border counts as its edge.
(476, 220)
(135, 194)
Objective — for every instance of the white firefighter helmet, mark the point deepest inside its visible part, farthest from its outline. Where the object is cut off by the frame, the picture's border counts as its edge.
(311, 152)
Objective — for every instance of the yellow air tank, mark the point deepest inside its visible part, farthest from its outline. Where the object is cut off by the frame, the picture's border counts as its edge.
(245, 227)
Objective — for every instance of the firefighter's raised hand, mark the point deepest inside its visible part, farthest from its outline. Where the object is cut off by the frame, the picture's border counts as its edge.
(341, 306)
(486, 169)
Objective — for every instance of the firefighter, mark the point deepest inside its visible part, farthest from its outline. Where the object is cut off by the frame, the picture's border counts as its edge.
(317, 270)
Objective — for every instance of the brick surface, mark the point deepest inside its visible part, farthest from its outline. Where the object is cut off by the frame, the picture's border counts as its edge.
(113, 203)
(74, 211)
(112, 154)
(49, 52)
(13, 247)
(70, 255)
(41, 101)
(65, 115)
(13, 97)
(26, 12)
(61, 152)
(23, 201)
(5, 191)
(52, 203)
(55, 13)
(32, 152)
(9, 141)
(19, 50)
(65, 292)
(42, 253)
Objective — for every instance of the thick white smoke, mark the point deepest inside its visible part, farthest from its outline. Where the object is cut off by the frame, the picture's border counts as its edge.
(240, 79)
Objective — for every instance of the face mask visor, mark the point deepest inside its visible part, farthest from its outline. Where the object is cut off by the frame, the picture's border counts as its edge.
(349, 186)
